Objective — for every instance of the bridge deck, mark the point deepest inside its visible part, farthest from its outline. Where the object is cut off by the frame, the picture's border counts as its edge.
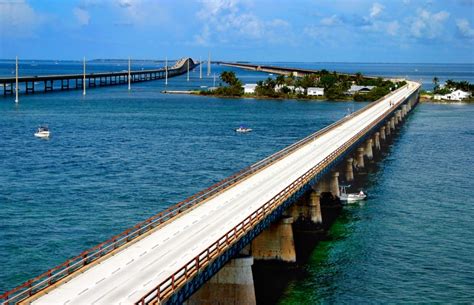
(132, 272)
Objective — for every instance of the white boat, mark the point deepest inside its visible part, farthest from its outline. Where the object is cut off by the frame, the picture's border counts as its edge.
(243, 129)
(42, 132)
(351, 197)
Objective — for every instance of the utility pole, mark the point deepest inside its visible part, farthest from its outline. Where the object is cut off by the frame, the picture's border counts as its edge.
(166, 71)
(209, 65)
(129, 80)
(84, 78)
(200, 67)
(16, 81)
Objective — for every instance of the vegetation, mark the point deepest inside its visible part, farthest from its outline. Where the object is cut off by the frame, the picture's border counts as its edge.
(450, 86)
(233, 88)
(335, 86)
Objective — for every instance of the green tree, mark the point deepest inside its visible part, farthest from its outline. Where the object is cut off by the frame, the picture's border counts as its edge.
(280, 80)
(327, 81)
(229, 78)
(435, 83)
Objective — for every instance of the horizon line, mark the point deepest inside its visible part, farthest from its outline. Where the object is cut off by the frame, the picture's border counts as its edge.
(247, 61)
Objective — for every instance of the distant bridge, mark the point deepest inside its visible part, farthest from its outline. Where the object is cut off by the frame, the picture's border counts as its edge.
(75, 81)
(298, 72)
(174, 255)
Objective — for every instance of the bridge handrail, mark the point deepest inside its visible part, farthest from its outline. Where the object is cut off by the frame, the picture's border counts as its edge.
(163, 290)
(71, 265)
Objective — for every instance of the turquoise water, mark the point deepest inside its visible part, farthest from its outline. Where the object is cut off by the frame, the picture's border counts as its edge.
(116, 158)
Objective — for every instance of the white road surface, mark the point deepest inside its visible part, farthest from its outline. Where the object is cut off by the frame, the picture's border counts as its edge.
(128, 275)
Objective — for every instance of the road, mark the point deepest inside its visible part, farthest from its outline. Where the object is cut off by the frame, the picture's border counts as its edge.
(128, 275)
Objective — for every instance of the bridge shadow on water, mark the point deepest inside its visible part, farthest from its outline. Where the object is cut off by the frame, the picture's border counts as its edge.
(272, 278)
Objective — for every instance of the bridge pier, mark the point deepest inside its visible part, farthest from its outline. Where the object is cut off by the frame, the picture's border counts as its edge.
(382, 133)
(360, 157)
(315, 208)
(276, 242)
(308, 209)
(349, 169)
(377, 140)
(368, 149)
(334, 184)
(233, 285)
(392, 123)
(388, 128)
(398, 116)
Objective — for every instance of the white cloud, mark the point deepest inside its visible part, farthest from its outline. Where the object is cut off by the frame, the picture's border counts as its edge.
(142, 12)
(428, 25)
(223, 19)
(376, 9)
(18, 18)
(329, 21)
(464, 28)
(82, 16)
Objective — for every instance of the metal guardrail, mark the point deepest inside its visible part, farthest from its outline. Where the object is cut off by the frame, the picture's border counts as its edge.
(167, 287)
(52, 276)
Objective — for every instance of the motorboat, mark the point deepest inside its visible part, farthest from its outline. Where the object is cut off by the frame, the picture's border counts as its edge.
(351, 197)
(42, 132)
(243, 129)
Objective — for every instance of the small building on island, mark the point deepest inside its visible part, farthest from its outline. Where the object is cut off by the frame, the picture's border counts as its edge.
(315, 91)
(457, 95)
(359, 89)
(249, 88)
(294, 89)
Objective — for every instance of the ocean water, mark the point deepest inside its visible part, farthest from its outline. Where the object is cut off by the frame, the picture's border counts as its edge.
(117, 157)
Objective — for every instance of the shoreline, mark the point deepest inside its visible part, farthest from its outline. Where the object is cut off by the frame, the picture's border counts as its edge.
(198, 93)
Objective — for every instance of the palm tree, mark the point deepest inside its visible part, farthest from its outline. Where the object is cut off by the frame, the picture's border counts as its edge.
(436, 82)
(280, 80)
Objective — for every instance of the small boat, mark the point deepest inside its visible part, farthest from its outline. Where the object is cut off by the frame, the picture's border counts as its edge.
(42, 132)
(351, 197)
(243, 129)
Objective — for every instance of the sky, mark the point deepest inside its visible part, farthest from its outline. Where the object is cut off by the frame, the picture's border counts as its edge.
(412, 31)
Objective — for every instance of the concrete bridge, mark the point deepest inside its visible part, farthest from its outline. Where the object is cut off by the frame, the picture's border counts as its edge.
(92, 80)
(298, 72)
(201, 250)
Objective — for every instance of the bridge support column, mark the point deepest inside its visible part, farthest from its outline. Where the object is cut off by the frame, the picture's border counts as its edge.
(360, 157)
(368, 149)
(382, 133)
(334, 185)
(276, 242)
(233, 285)
(349, 170)
(315, 208)
(392, 123)
(388, 128)
(377, 140)
(398, 116)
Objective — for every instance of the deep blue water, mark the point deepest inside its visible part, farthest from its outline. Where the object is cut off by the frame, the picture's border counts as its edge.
(117, 157)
